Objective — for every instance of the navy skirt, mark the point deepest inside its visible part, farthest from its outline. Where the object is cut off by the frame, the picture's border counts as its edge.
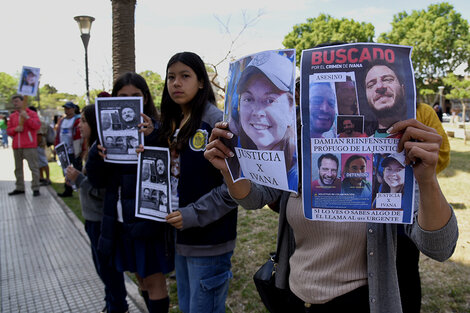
(144, 256)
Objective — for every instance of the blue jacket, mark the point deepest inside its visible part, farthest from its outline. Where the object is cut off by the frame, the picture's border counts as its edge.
(123, 177)
(209, 213)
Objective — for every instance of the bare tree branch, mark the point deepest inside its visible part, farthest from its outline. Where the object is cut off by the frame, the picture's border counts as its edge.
(247, 22)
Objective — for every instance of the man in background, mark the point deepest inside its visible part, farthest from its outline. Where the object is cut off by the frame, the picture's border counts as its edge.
(68, 132)
(22, 127)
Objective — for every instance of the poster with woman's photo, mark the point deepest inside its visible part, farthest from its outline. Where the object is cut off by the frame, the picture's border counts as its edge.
(117, 120)
(153, 184)
(260, 110)
(351, 94)
(29, 81)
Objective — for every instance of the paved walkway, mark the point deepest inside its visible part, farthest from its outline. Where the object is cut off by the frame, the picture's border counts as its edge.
(45, 257)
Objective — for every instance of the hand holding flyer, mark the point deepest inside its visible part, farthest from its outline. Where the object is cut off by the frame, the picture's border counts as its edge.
(153, 181)
(119, 120)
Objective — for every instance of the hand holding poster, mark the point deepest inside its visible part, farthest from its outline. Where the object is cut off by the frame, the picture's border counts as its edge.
(260, 109)
(153, 181)
(350, 96)
(29, 81)
(117, 121)
(63, 160)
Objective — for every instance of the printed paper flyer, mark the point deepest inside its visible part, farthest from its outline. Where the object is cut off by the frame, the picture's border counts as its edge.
(260, 109)
(117, 119)
(350, 96)
(153, 181)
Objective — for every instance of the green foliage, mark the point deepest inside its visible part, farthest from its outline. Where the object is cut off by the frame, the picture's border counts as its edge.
(52, 100)
(440, 39)
(460, 88)
(48, 89)
(325, 28)
(8, 87)
(156, 84)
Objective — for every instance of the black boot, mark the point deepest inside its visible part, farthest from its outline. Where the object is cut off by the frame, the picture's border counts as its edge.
(145, 295)
(158, 306)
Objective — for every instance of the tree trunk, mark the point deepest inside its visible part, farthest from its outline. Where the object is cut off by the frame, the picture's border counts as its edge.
(123, 37)
(464, 115)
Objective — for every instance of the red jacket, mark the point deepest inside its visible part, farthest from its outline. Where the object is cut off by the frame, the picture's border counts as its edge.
(28, 137)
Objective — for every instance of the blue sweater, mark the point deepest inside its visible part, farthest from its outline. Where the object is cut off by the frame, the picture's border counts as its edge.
(209, 213)
(123, 177)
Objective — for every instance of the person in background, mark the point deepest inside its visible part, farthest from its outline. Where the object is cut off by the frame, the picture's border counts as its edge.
(23, 126)
(407, 253)
(437, 108)
(140, 246)
(68, 132)
(44, 178)
(91, 201)
(3, 128)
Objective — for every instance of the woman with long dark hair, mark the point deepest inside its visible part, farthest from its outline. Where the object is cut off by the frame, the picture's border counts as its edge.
(91, 201)
(204, 213)
(137, 245)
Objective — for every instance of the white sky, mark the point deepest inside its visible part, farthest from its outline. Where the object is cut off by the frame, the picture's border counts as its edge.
(44, 34)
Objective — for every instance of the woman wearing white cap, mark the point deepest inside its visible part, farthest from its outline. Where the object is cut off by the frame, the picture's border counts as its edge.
(393, 173)
(266, 108)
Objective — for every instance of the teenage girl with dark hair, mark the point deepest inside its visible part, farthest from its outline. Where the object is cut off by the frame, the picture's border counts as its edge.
(205, 215)
(91, 201)
(137, 245)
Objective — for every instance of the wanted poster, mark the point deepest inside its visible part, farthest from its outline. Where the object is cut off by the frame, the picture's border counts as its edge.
(350, 96)
(153, 181)
(117, 120)
(63, 160)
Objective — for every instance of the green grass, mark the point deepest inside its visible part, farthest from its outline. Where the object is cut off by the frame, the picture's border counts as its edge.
(446, 286)
(57, 179)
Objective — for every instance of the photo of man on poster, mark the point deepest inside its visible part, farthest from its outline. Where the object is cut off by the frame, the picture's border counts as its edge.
(385, 93)
(356, 176)
(350, 126)
(328, 181)
(322, 101)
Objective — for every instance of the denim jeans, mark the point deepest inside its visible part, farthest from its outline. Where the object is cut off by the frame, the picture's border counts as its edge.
(4, 137)
(203, 282)
(114, 287)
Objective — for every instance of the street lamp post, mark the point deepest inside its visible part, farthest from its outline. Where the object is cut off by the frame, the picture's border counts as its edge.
(441, 92)
(84, 23)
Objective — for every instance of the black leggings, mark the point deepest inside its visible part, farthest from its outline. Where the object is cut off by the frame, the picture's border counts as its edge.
(356, 301)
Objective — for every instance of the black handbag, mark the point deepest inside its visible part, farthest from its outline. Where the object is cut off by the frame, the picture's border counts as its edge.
(274, 299)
